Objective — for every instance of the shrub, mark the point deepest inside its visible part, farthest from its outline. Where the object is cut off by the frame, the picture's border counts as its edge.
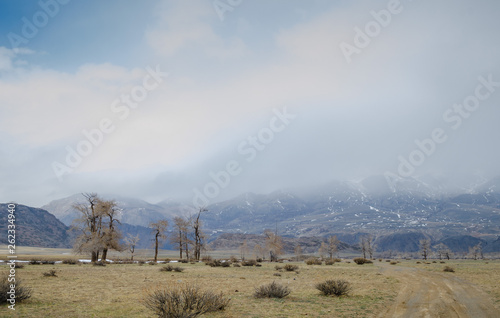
(47, 262)
(206, 258)
(18, 265)
(393, 263)
(448, 269)
(273, 290)
(51, 273)
(258, 265)
(329, 262)
(100, 263)
(152, 263)
(225, 264)
(337, 287)
(184, 261)
(259, 260)
(184, 302)
(141, 262)
(290, 267)
(313, 261)
(236, 265)
(337, 260)
(419, 262)
(71, 261)
(233, 259)
(35, 261)
(360, 260)
(277, 274)
(250, 262)
(442, 262)
(387, 260)
(21, 292)
(368, 261)
(278, 267)
(170, 268)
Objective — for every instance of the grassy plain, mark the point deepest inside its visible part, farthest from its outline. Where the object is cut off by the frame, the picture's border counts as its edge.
(116, 290)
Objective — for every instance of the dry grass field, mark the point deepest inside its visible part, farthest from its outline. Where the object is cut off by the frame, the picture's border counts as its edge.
(116, 290)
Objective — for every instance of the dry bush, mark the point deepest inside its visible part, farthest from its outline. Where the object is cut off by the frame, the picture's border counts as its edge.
(278, 267)
(272, 290)
(313, 261)
(51, 273)
(71, 261)
(21, 292)
(360, 260)
(236, 265)
(277, 274)
(442, 262)
(183, 302)
(184, 261)
(18, 265)
(393, 263)
(290, 267)
(337, 287)
(141, 262)
(329, 262)
(170, 268)
(250, 262)
(448, 269)
(35, 261)
(99, 263)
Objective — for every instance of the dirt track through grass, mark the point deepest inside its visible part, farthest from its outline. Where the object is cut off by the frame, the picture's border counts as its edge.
(432, 294)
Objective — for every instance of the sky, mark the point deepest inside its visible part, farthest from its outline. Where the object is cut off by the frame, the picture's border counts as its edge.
(203, 100)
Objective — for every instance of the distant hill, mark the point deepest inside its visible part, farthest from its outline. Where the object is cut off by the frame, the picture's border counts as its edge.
(35, 227)
(134, 211)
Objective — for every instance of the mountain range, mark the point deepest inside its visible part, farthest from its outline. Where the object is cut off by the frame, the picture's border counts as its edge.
(398, 215)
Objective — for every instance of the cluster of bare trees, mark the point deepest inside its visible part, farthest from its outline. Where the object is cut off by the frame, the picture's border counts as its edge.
(96, 227)
(97, 231)
(188, 236)
(367, 246)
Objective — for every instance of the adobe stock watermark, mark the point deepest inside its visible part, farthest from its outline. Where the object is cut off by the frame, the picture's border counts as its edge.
(94, 137)
(48, 10)
(363, 36)
(454, 117)
(223, 6)
(11, 239)
(249, 149)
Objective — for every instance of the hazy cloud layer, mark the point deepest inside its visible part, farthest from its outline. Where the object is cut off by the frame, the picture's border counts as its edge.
(226, 81)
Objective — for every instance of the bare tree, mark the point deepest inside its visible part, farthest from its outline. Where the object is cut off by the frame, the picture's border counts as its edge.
(333, 246)
(111, 235)
(158, 229)
(96, 227)
(298, 252)
(367, 246)
(131, 242)
(425, 248)
(476, 251)
(198, 234)
(323, 250)
(180, 235)
(274, 244)
(258, 251)
(443, 251)
(243, 249)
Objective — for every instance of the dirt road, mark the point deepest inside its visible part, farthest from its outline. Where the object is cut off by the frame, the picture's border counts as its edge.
(430, 294)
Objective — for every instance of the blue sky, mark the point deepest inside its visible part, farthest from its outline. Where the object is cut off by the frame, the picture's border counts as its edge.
(355, 114)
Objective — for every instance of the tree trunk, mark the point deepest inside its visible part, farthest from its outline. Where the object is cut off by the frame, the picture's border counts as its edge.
(104, 254)
(95, 257)
(156, 246)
